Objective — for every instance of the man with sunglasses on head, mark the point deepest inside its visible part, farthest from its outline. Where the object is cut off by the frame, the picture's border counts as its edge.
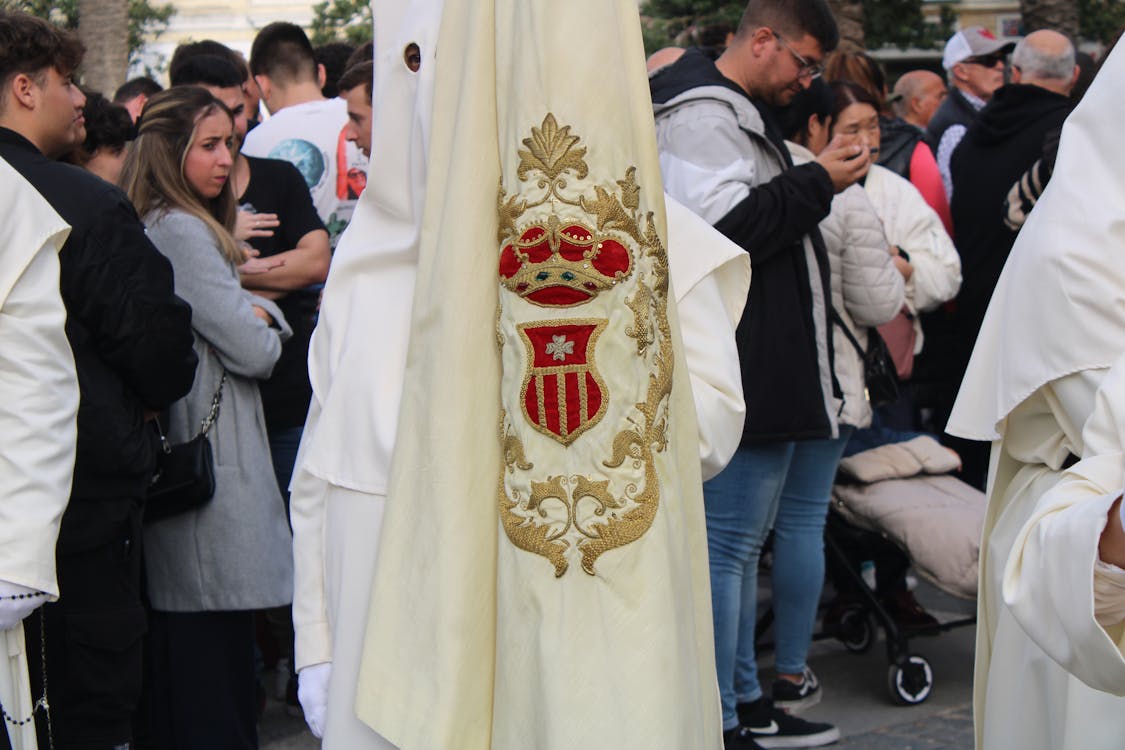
(974, 61)
(722, 155)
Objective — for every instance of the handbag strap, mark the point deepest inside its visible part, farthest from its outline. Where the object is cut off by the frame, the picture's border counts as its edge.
(848, 332)
(213, 413)
(208, 421)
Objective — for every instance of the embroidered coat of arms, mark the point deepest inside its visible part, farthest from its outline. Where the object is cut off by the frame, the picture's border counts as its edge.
(587, 355)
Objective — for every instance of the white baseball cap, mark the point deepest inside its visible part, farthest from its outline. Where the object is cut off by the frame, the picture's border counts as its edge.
(974, 41)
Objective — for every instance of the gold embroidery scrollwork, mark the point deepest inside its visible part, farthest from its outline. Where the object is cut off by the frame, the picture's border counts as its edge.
(614, 519)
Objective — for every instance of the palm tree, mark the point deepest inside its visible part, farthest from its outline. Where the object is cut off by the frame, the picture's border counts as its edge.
(1060, 15)
(849, 17)
(103, 26)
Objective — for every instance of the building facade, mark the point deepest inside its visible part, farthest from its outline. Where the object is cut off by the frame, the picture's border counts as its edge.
(1001, 18)
(233, 22)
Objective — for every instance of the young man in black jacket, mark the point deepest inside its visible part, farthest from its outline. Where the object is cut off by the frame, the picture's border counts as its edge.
(133, 352)
(722, 156)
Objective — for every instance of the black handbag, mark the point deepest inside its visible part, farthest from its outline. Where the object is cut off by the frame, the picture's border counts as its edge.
(185, 473)
(880, 376)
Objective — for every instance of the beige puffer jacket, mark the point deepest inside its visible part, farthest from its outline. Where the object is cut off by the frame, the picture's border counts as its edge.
(867, 289)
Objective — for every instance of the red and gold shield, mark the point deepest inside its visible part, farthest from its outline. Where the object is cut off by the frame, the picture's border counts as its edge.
(563, 395)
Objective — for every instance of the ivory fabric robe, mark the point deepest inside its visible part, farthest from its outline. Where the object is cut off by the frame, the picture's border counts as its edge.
(1048, 676)
(37, 417)
(340, 487)
(582, 618)
(1045, 383)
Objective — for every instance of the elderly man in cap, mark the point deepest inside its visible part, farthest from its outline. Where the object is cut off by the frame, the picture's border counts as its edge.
(974, 60)
(1008, 136)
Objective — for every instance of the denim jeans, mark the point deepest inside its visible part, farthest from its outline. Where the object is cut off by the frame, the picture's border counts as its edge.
(284, 443)
(785, 486)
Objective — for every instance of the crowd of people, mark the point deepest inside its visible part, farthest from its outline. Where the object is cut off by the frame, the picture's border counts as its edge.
(194, 282)
(191, 280)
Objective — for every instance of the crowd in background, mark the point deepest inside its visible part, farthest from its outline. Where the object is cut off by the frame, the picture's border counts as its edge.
(192, 290)
(202, 232)
(869, 211)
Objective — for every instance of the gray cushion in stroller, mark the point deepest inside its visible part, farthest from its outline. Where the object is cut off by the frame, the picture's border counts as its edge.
(904, 492)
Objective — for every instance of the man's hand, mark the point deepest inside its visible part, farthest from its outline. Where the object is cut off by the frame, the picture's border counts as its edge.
(1111, 547)
(312, 693)
(248, 224)
(255, 266)
(16, 603)
(845, 165)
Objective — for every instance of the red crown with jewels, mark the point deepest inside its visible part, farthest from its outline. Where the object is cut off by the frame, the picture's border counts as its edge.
(559, 267)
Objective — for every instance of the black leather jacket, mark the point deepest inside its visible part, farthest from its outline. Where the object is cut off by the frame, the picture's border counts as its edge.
(130, 335)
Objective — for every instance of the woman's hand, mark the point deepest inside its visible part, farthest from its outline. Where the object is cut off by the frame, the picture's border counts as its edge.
(249, 224)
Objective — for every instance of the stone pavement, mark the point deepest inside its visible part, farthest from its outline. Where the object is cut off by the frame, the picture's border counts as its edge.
(951, 729)
(856, 698)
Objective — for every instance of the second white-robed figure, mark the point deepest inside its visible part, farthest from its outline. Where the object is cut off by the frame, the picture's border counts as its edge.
(37, 429)
(1045, 385)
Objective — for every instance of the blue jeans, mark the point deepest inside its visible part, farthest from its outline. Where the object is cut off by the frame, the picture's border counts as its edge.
(785, 486)
(284, 443)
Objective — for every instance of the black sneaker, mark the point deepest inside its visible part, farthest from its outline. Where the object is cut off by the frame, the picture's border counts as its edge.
(739, 738)
(797, 696)
(771, 727)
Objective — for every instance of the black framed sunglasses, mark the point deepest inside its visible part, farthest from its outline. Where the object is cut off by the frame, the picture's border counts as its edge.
(988, 61)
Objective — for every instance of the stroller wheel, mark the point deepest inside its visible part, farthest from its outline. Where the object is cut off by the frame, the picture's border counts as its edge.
(911, 682)
(856, 630)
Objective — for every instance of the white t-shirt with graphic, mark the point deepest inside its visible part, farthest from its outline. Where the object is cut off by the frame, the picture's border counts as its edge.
(310, 136)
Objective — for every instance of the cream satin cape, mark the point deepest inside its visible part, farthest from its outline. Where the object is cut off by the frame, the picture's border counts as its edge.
(473, 643)
(37, 418)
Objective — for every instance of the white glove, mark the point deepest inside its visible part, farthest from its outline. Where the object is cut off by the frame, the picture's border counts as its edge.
(16, 603)
(312, 692)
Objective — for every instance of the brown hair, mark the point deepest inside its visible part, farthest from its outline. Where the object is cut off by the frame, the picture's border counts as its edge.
(862, 70)
(793, 18)
(153, 176)
(845, 94)
(30, 46)
(356, 75)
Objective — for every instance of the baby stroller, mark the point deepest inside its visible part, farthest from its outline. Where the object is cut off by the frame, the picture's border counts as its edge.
(899, 494)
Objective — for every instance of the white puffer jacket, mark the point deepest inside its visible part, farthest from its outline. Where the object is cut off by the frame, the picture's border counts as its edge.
(867, 289)
(913, 226)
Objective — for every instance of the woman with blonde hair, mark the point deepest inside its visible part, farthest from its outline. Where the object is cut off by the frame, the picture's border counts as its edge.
(209, 568)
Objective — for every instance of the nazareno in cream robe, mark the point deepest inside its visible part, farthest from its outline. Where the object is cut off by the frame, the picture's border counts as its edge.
(1045, 383)
(37, 418)
(342, 419)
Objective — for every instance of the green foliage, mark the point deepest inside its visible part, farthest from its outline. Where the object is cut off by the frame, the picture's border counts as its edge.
(900, 23)
(1100, 20)
(897, 23)
(62, 12)
(341, 21)
(146, 21)
(665, 20)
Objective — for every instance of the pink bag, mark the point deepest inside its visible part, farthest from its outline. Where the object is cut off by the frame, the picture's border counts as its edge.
(900, 337)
